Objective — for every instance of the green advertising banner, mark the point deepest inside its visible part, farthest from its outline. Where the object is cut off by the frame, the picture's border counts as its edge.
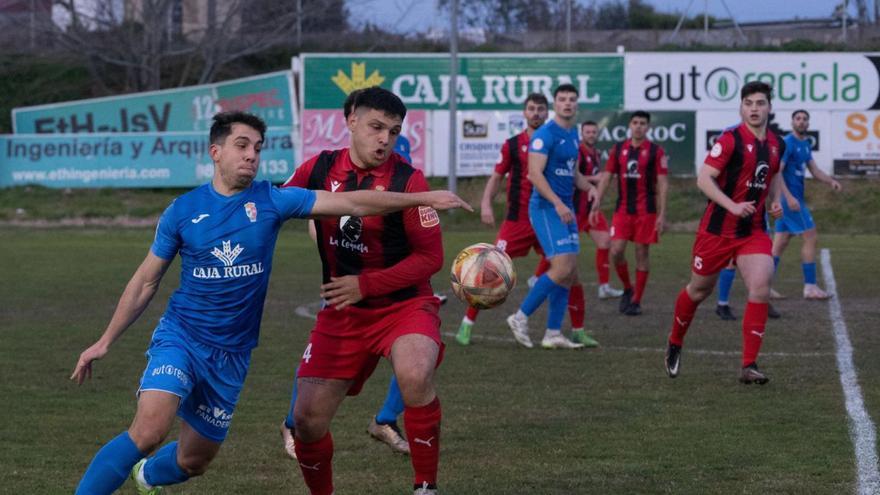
(674, 131)
(485, 82)
(174, 110)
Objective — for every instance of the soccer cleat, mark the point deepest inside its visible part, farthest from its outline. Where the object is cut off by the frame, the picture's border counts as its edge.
(775, 295)
(137, 477)
(813, 292)
(390, 435)
(289, 441)
(580, 337)
(425, 489)
(558, 341)
(440, 297)
(532, 281)
(772, 313)
(520, 329)
(723, 311)
(634, 309)
(463, 336)
(673, 359)
(608, 292)
(625, 299)
(750, 374)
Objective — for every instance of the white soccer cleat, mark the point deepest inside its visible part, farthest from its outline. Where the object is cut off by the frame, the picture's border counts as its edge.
(558, 341)
(813, 291)
(775, 295)
(520, 328)
(425, 489)
(608, 292)
(140, 484)
(289, 441)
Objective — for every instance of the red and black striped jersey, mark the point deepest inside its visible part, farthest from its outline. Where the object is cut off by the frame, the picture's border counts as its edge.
(515, 161)
(747, 167)
(588, 164)
(393, 255)
(637, 170)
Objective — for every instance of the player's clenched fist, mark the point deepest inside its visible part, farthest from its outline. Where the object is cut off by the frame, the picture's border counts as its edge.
(743, 209)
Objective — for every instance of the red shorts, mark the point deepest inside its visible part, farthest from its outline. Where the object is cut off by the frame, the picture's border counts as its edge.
(517, 239)
(712, 253)
(584, 223)
(641, 229)
(347, 344)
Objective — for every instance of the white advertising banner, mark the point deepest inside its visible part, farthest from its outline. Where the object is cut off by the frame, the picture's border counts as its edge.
(856, 143)
(710, 125)
(481, 133)
(712, 81)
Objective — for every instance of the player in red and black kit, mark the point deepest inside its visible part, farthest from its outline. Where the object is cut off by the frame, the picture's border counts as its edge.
(738, 176)
(516, 237)
(641, 167)
(379, 297)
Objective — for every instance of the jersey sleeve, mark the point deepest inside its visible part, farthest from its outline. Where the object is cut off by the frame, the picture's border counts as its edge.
(662, 161)
(541, 142)
(503, 165)
(293, 202)
(167, 241)
(721, 151)
(422, 225)
(300, 177)
(611, 163)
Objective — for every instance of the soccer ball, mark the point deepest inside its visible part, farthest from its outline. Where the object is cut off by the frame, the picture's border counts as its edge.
(482, 276)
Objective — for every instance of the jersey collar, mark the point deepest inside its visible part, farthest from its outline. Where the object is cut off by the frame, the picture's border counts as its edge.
(380, 171)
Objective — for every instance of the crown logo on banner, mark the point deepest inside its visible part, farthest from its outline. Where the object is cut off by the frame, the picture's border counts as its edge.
(358, 79)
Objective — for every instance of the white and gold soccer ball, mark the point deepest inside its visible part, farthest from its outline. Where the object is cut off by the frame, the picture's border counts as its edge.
(482, 276)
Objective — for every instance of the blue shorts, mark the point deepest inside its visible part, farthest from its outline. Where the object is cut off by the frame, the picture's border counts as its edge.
(207, 379)
(554, 236)
(794, 222)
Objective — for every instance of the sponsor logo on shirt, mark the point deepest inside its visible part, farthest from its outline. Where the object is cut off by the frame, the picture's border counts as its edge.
(214, 416)
(716, 150)
(251, 209)
(537, 144)
(632, 170)
(428, 216)
(334, 185)
(229, 269)
(759, 181)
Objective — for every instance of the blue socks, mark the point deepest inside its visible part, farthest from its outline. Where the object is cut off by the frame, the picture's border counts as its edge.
(543, 288)
(725, 282)
(809, 273)
(110, 466)
(393, 406)
(558, 307)
(775, 264)
(162, 469)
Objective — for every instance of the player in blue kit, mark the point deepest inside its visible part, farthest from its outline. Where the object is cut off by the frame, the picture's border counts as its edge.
(796, 218)
(225, 233)
(553, 157)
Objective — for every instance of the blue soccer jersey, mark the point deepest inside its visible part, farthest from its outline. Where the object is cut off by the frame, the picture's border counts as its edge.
(225, 245)
(797, 156)
(561, 147)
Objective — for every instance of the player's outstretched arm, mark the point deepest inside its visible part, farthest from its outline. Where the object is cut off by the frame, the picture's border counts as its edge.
(707, 183)
(135, 298)
(822, 176)
(367, 203)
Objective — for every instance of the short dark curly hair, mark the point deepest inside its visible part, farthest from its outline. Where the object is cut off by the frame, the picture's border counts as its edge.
(223, 121)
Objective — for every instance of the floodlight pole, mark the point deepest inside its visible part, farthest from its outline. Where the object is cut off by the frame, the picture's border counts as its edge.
(568, 25)
(453, 97)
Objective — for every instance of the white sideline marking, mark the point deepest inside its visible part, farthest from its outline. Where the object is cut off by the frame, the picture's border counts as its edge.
(310, 311)
(861, 428)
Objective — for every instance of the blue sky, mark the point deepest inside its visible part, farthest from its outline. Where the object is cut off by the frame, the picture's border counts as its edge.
(420, 15)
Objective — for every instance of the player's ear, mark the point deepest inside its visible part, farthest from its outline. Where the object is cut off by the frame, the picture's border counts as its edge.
(214, 151)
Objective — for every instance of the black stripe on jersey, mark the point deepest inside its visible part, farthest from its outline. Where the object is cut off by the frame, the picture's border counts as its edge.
(515, 190)
(632, 183)
(651, 184)
(349, 261)
(317, 181)
(616, 153)
(732, 170)
(759, 179)
(395, 244)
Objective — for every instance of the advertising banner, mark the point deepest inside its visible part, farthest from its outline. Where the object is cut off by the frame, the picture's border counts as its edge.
(480, 137)
(126, 160)
(485, 82)
(710, 125)
(674, 131)
(856, 143)
(326, 130)
(174, 110)
(712, 81)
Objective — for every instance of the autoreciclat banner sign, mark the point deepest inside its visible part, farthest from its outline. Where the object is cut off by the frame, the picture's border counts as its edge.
(712, 81)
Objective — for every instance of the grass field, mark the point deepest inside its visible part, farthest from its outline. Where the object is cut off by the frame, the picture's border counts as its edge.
(515, 421)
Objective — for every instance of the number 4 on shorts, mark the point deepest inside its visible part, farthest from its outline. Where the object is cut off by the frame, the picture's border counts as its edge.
(307, 354)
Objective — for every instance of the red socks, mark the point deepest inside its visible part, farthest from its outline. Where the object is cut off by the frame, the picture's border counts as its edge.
(602, 265)
(576, 306)
(316, 463)
(543, 266)
(471, 313)
(754, 320)
(422, 425)
(623, 273)
(641, 282)
(684, 314)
